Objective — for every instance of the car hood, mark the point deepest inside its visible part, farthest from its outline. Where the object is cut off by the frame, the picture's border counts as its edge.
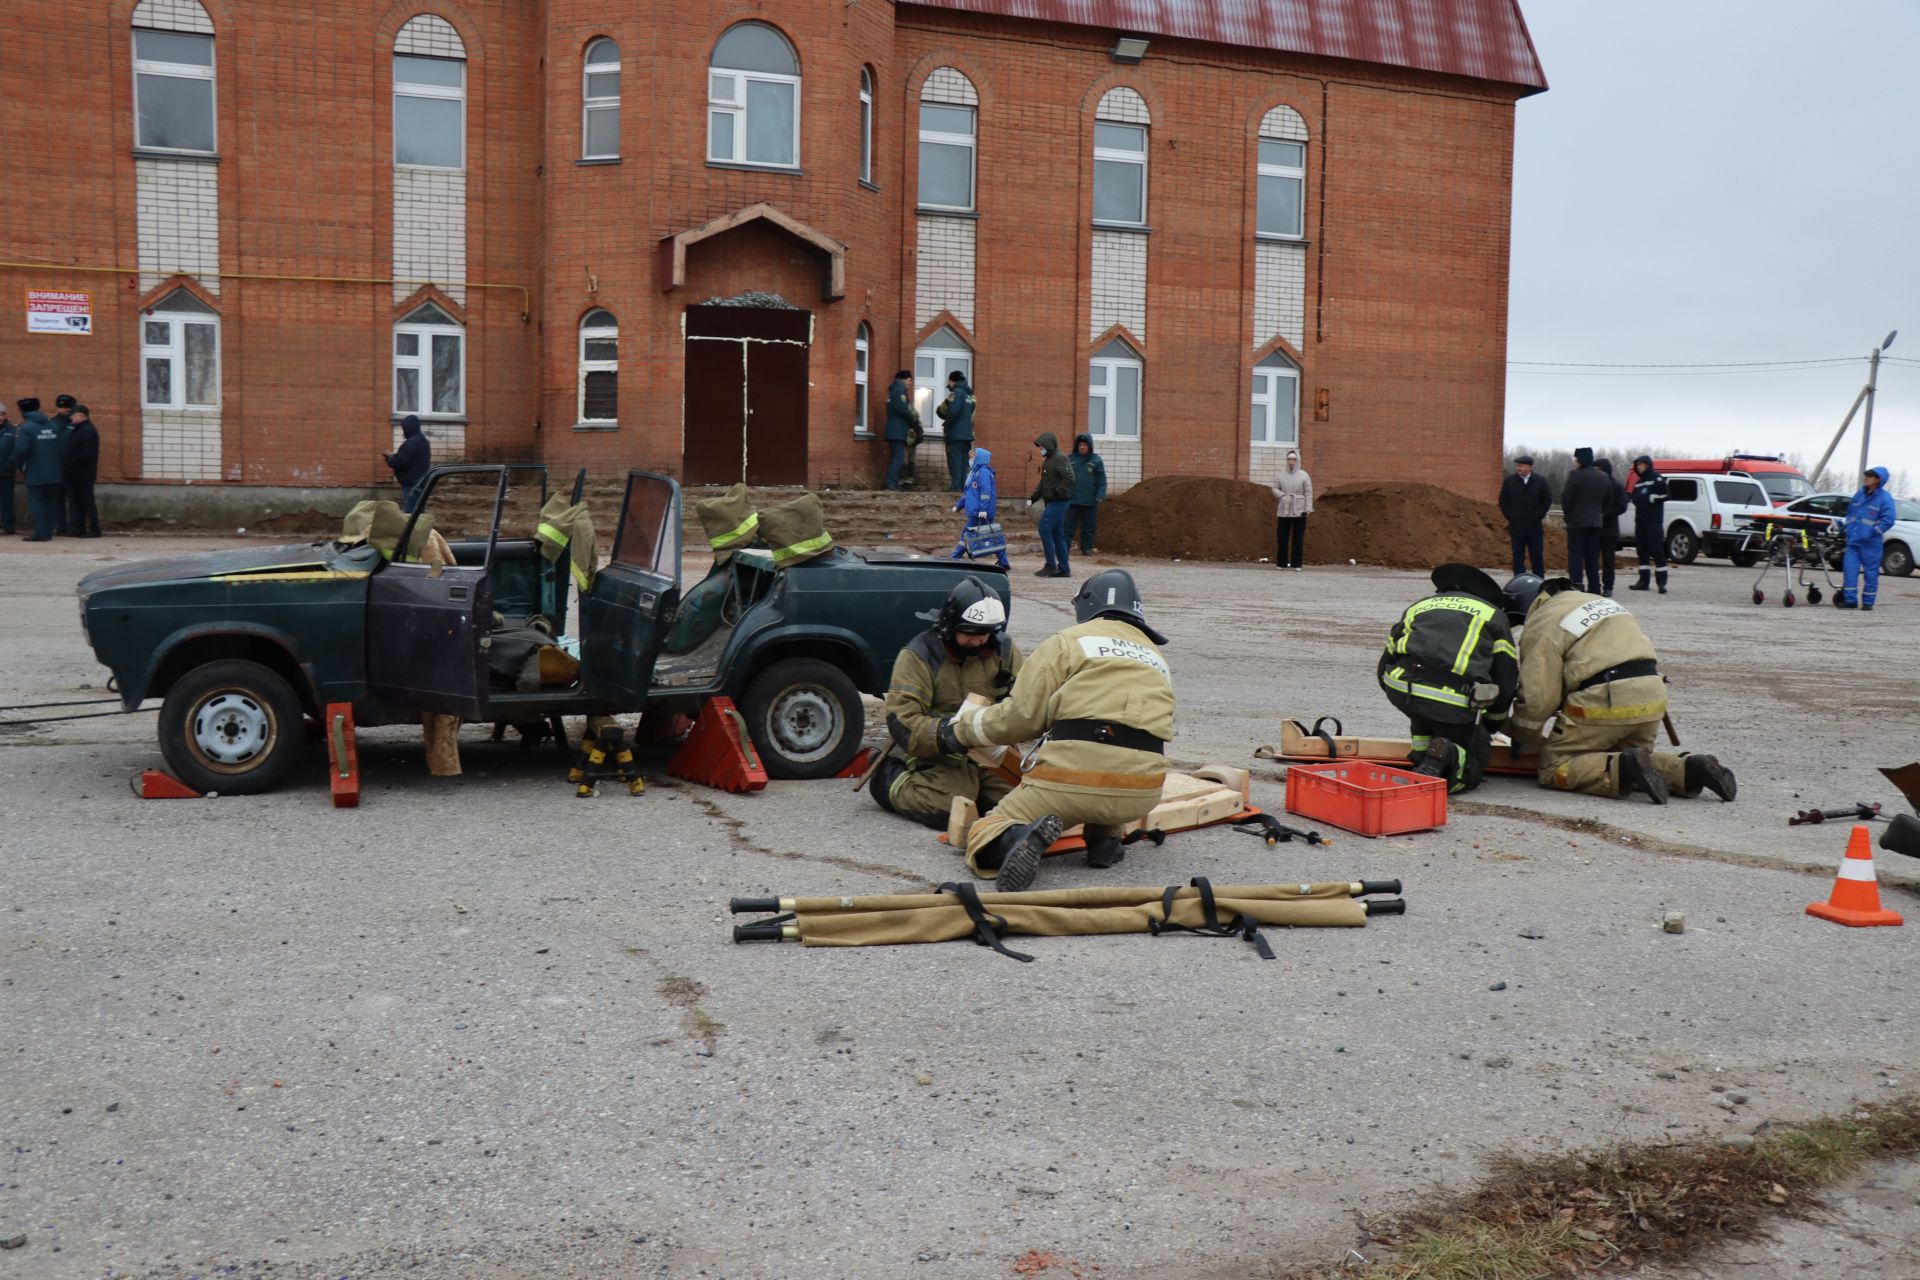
(293, 558)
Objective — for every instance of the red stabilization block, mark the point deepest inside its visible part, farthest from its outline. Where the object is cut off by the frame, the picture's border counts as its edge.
(859, 765)
(155, 785)
(719, 751)
(343, 756)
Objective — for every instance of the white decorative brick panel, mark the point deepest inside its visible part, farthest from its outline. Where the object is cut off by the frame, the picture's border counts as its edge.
(1267, 463)
(1123, 464)
(1124, 105)
(430, 231)
(172, 15)
(429, 36)
(943, 272)
(1119, 283)
(948, 85)
(179, 445)
(1283, 122)
(1279, 293)
(447, 439)
(177, 218)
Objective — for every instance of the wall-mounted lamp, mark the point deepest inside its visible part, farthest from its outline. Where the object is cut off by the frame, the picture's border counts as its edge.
(1128, 49)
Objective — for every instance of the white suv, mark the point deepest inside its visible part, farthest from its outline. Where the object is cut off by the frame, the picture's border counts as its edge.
(1703, 512)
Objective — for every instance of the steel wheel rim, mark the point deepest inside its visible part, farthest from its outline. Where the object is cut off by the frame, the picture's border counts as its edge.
(230, 730)
(804, 723)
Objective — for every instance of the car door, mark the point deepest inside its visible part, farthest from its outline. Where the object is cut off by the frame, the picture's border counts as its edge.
(427, 627)
(623, 618)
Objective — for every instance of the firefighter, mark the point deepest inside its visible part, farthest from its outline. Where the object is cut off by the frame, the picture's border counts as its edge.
(966, 651)
(1450, 665)
(1101, 694)
(1585, 662)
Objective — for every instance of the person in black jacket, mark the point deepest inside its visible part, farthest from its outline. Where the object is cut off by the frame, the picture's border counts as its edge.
(1649, 497)
(7, 469)
(1525, 501)
(410, 462)
(1583, 501)
(63, 423)
(1610, 531)
(902, 418)
(81, 463)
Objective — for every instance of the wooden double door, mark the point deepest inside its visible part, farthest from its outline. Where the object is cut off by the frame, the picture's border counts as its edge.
(746, 395)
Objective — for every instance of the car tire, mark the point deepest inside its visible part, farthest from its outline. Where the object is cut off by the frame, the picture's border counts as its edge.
(806, 718)
(1897, 559)
(231, 726)
(1683, 545)
(1745, 559)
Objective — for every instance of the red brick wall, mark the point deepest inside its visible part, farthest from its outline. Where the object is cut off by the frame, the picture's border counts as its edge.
(1406, 277)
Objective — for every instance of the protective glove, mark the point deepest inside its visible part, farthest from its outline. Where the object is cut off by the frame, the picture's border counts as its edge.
(950, 743)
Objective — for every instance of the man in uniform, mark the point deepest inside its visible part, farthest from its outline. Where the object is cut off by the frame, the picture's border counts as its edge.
(1102, 695)
(1585, 661)
(1450, 665)
(966, 651)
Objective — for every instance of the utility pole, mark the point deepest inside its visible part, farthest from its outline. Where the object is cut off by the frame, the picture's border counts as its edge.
(1873, 382)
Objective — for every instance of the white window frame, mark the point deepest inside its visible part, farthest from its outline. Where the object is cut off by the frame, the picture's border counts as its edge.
(1101, 392)
(734, 106)
(866, 125)
(1296, 173)
(174, 351)
(967, 140)
(179, 71)
(591, 327)
(422, 361)
(931, 387)
(1270, 380)
(1124, 157)
(862, 362)
(444, 92)
(589, 103)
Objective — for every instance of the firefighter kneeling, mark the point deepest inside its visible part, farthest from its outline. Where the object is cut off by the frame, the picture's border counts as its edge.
(1450, 665)
(966, 651)
(1585, 662)
(1103, 696)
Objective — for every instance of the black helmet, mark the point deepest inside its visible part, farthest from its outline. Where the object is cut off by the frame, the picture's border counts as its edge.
(1465, 580)
(1521, 591)
(1111, 594)
(971, 607)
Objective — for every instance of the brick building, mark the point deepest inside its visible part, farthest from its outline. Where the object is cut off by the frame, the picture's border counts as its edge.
(1208, 228)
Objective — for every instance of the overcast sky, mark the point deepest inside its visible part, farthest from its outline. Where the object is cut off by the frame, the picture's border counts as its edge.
(1718, 180)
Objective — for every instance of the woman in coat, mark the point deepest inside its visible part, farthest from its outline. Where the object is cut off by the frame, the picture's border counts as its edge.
(1293, 490)
(1649, 498)
(980, 500)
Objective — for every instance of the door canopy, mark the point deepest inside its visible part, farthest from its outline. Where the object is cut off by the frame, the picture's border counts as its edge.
(673, 249)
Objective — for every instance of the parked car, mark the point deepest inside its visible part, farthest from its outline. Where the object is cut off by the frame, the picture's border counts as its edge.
(1703, 512)
(243, 645)
(1902, 540)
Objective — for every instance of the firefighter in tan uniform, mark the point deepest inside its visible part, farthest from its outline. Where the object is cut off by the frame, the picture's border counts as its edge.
(1102, 695)
(966, 651)
(1585, 662)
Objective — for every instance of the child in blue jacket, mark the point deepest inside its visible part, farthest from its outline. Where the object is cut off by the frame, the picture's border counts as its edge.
(980, 499)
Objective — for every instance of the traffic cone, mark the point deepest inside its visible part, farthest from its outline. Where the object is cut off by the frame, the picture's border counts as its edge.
(1856, 894)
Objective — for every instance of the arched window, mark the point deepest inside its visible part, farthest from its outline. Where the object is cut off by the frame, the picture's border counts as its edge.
(180, 354)
(940, 355)
(173, 79)
(600, 94)
(862, 357)
(1276, 402)
(599, 368)
(753, 98)
(430, 96)
(1120, 158)
(1113, 392)
(1283, 174)
(429, 364)
(866, 125)
(948, 104)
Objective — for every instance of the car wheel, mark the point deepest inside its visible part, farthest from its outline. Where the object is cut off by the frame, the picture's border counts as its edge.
(1682, 546)
(1897, 560)
(806, 718)
(1745, 559)
(231, 726)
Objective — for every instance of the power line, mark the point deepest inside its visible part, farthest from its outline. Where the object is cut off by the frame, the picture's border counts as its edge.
(1703, 364)
(1660, 371)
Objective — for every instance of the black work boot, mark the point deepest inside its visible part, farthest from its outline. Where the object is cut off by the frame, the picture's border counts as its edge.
(1903, 836)
(1014, 855)
(1706, 772)
(1638, 774)
(1661, 578)
(1436, 761)
(1646, 581)
(1105, 851)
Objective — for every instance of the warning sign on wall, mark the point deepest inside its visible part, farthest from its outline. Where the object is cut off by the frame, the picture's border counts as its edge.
(59, 311)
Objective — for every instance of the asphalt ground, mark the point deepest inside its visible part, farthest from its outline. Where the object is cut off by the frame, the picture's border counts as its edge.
(481, 1028)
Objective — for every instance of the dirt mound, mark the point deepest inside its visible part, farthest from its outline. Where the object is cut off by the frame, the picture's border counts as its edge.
(1397, 526)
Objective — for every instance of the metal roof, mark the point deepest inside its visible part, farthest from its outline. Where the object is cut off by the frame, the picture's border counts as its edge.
(1480, 39)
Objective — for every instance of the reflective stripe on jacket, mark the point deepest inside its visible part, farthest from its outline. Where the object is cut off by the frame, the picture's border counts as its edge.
(1568, 639)
(1442, 647)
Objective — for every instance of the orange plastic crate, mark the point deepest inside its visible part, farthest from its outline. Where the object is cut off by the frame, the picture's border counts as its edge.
(1367, 799)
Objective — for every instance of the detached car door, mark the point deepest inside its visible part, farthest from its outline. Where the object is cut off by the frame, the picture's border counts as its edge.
(623, 619)
(426, 627)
